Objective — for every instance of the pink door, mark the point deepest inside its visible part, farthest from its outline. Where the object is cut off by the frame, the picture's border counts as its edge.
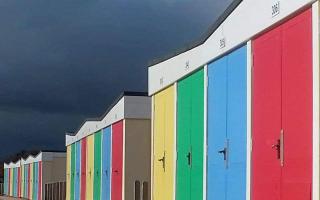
(117, 150)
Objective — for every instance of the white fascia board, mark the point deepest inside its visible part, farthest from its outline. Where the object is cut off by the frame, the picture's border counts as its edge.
(32, 159)
(69, 139)
(14, 165)
(5, 166)
(23, 161)
(249, 19)
(134, 107)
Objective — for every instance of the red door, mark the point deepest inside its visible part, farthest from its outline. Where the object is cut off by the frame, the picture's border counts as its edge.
(40, 180)
(83, 168)
(297, 107)
(117, 150)
(266, 116)
(282, 112)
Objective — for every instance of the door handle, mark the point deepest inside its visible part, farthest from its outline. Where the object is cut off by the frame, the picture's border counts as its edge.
(224, 151)
(163, 160)
(106, 171)
(277, 148)
(189, 157)
(281, 147)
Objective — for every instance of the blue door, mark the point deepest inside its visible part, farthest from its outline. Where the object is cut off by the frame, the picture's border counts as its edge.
(227, 122)
(15, 180)
(77, 175)
(36, 181)
(106, 163)
(217, 128)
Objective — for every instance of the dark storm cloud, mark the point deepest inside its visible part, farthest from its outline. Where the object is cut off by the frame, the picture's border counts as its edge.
(64, 61)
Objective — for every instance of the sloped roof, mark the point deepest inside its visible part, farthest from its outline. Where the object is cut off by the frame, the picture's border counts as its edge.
(203, 38)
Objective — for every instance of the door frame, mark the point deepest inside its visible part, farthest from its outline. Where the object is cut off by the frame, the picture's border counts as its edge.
(315, 99)
(249, 117)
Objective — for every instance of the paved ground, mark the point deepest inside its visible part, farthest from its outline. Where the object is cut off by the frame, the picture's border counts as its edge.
(8, 198)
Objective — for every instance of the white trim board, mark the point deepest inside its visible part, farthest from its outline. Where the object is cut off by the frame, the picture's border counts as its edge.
(12, 165)
(250, 18)
(315, 92)
(128, 107)
(42, 156)
(249, 119)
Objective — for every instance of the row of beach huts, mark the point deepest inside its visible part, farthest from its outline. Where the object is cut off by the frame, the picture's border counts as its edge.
(234, 117)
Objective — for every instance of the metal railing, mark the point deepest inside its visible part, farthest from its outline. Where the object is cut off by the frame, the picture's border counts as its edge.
(55, 191)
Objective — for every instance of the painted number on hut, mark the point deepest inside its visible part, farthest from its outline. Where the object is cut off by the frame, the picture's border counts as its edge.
(222, 43)
(276, 9)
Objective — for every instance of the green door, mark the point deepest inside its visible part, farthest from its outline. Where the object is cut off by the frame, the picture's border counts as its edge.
(97, 166)
(73, 160)
(190, 131)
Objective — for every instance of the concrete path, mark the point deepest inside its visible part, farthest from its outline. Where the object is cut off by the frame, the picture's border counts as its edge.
(8, 198)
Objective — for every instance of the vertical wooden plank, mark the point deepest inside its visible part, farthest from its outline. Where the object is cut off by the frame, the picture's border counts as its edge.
(190, 138)
(77, 190)
(316, 100)
(236, 124)
(72, 170)
(117, 160)
(106, 161)
(40, 180)
(297, 107)
(31, 180)
(68, 178)
(217, 127)
(83, 168)
(97, 166)
(184, 149)
(266, 115)
(90, 160)
(163, 145)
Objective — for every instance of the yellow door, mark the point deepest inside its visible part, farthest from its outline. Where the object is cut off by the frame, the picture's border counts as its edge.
(31, 181)
(68, 173)
(11, 181)
(90, 156)
(163, 145)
